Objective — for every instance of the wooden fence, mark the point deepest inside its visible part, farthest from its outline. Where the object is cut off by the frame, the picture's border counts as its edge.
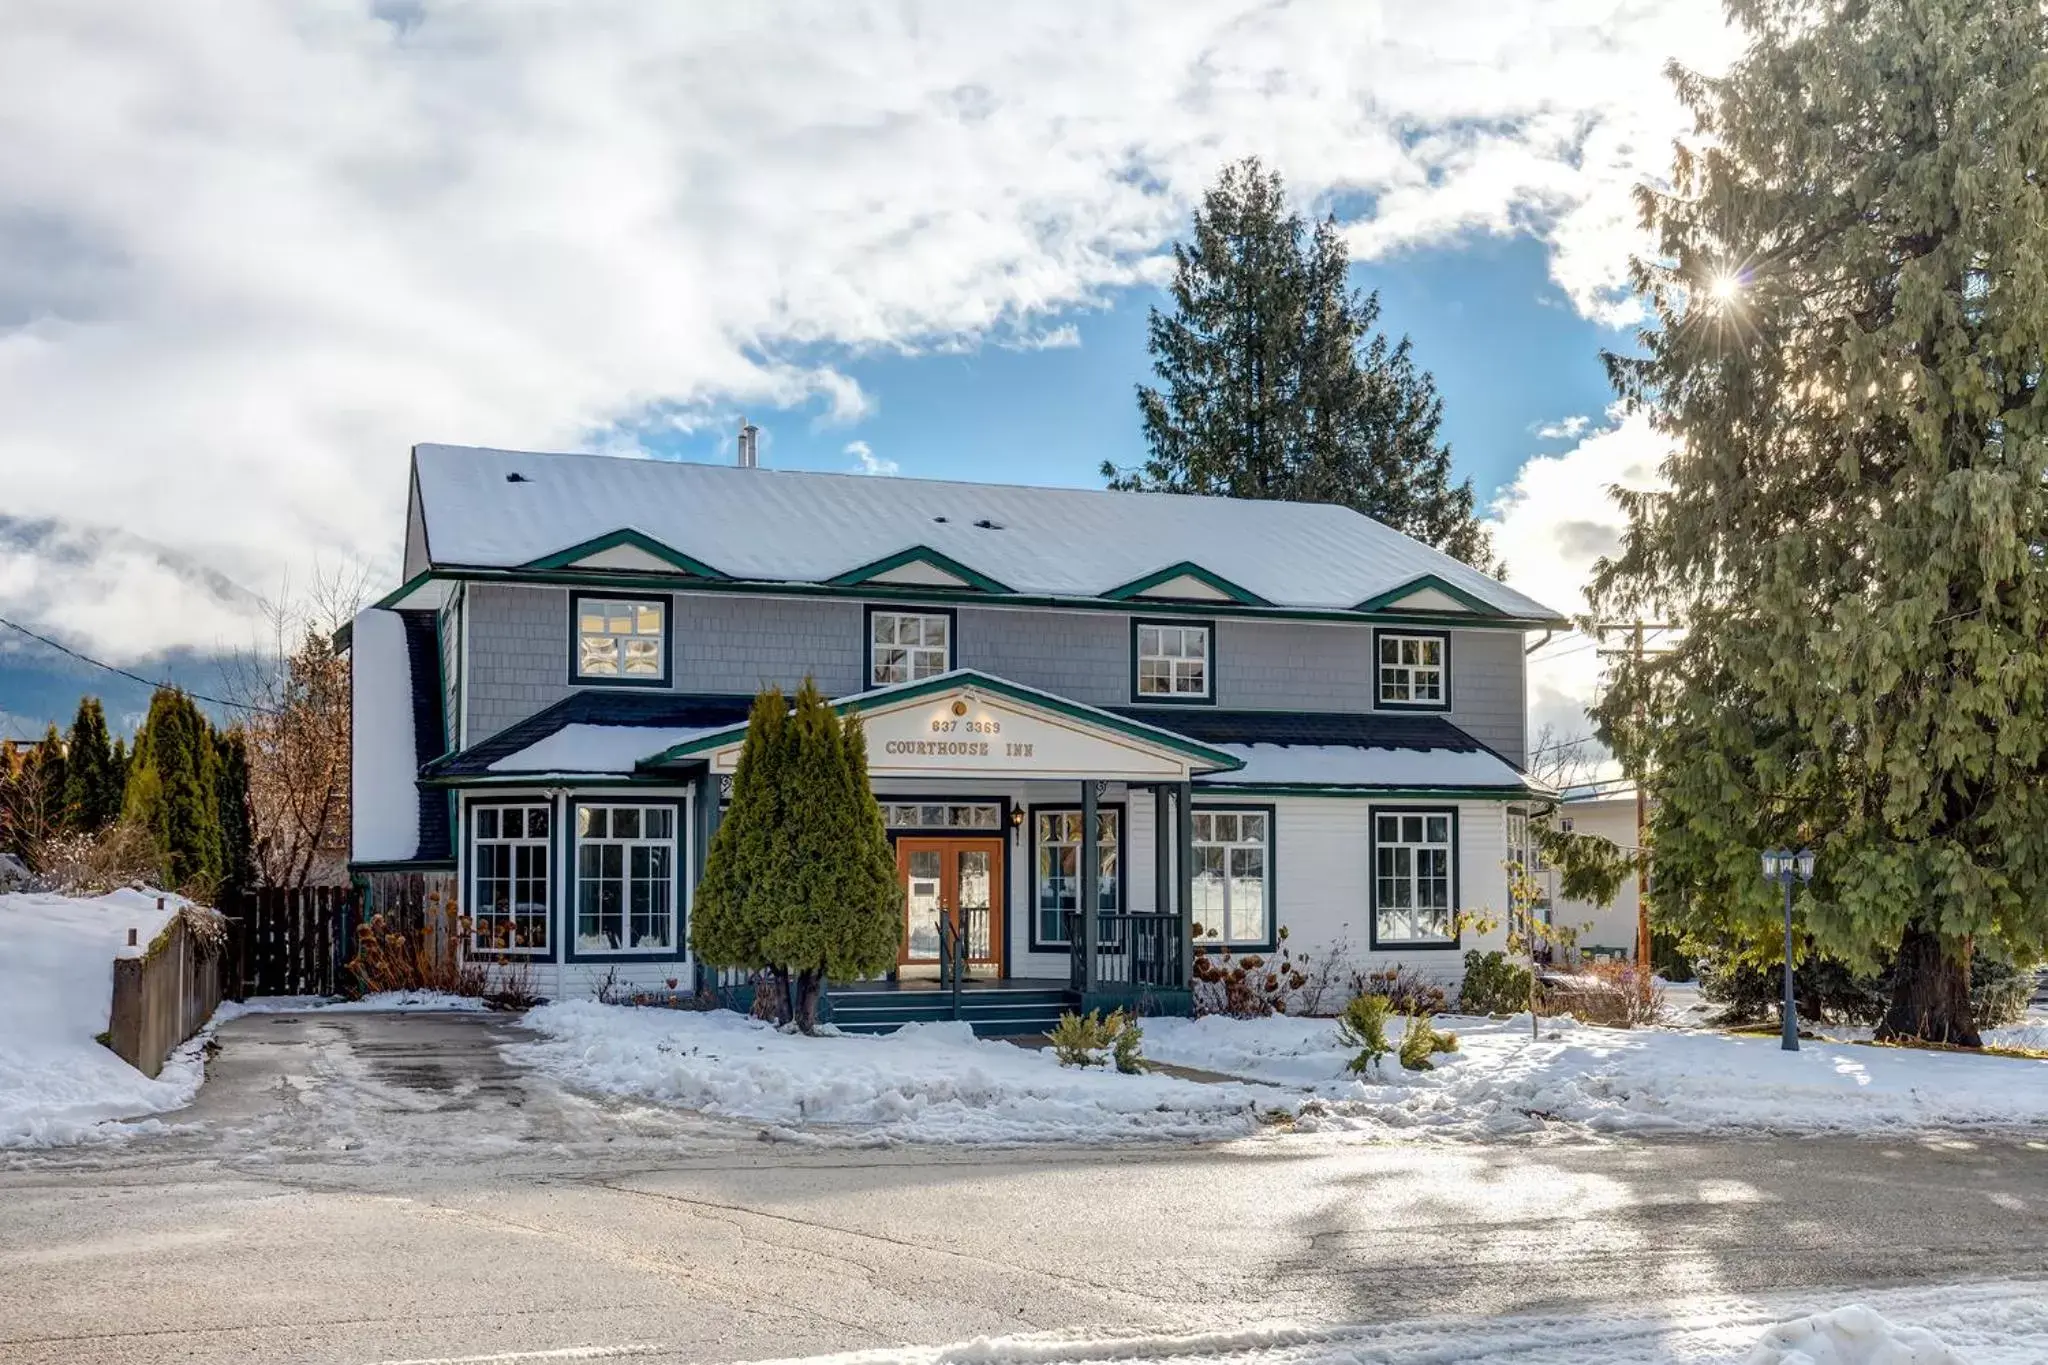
(295, 941)
(163, 996)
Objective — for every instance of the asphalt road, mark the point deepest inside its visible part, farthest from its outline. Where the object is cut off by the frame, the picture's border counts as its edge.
(371, 1189)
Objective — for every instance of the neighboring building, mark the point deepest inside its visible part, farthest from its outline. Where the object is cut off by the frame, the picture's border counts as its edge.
(1605, 811)
(1279, 713)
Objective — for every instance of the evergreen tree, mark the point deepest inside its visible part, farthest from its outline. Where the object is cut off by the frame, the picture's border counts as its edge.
(799, 879)
(117, 773)
(238, 870)
(1274, 383)
(92, 791)
(174, 792)
(1848, 359)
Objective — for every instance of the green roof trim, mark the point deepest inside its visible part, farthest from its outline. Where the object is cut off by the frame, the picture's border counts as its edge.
(982, 682)
(916, 554)
(390, 600)
(1410, 792)
(1425, 582)
(1187, 568)
(1155, 606)
(632, 539)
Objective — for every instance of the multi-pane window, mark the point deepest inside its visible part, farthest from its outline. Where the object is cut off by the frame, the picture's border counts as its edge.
(1233, 854)
(904, 646)
(955, 815)
(620, 638)
(1173, 661)
(1057, 884)
(1527, 873)
(1412, 878)
(1411, 670)
(509, 878)
(625, 879)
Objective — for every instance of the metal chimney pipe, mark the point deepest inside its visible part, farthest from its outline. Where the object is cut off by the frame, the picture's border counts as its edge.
(750, 452)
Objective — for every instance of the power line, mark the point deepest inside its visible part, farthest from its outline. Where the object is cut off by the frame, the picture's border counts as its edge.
(135, 677)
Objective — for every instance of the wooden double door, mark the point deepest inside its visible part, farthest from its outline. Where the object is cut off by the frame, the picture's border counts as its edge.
(951, 879)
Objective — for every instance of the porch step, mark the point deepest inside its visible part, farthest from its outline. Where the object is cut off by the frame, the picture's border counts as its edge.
(992, 1013)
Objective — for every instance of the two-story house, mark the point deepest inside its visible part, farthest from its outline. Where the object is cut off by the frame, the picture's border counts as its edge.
(1206, 718)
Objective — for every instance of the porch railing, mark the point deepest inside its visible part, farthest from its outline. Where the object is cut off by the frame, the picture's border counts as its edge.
(1132, 951)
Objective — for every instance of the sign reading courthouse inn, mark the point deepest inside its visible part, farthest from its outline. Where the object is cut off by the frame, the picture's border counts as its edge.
(1104, 728)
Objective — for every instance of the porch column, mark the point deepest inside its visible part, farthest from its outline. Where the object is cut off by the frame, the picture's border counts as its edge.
(1091, 871)
(1184, 877)
(1162, 852)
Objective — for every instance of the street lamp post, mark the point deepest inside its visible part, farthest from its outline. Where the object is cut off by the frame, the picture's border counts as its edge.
(1781, 866)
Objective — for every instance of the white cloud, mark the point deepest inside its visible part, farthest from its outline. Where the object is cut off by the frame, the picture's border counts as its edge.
(1571, 428)
(1551, 525)
(866, 462)
(246, 263)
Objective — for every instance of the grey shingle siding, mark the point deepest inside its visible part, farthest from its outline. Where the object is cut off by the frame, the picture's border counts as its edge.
(519, 657)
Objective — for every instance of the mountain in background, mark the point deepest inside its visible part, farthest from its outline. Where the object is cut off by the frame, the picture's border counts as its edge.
(44, 560)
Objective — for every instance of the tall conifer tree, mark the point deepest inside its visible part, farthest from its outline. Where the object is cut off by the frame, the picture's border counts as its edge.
(1274, 383)
(92, 789)
(174, 791)
(1850, 301)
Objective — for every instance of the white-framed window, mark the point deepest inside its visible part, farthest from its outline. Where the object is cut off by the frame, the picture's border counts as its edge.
(1172, 662)
(1411, 670)
(1233, 877)
(509, 883)
(1056, 873)
(904, 646)
(625, 878)
(620, 639)
(950, 815)
(1412, 876)
(1525, 859)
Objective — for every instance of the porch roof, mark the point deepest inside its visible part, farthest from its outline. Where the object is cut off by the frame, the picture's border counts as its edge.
(592, 733)
(1354, 752)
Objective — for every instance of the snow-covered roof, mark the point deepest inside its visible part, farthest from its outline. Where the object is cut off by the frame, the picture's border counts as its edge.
(1347, 765)
(501, 509)
(594, 749)
(384, 824)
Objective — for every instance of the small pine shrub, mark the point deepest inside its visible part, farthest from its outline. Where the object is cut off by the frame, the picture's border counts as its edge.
(1423, 1040)
(1363, 1026)
(1091, 1040)
(1409, 991)
(1493, 984)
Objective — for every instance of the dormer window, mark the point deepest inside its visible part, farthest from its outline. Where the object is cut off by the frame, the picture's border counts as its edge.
(1413, 670)
(619, 639)
(904, 646)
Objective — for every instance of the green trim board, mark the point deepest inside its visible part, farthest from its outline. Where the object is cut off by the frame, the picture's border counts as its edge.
(874, 591)
(630, 539)
(1372, 793)
(968, 678)
(1423, 583)
(1187, 568)
(976, 580)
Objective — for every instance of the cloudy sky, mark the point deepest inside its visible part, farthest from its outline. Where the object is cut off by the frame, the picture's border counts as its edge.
(251, 251)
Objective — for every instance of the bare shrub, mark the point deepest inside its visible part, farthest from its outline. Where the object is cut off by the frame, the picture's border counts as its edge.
(122, 854)
(1323, 975)
(1610, 994)
(1409, 991)
(1249, 987)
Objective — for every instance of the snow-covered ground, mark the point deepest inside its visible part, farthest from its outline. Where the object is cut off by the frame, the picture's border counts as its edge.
(1971, 1324)
(58, 1084)
(923, 1083)
(1575, 1077)
(381, 1002)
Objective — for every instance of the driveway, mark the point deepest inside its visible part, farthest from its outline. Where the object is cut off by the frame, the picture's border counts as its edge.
(365, 1188)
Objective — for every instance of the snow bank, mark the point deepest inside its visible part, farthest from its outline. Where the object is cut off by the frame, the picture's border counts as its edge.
(380, 1002)
(1850, 1336)
(924, 1083)
(58, 1084)
(1614, 1080)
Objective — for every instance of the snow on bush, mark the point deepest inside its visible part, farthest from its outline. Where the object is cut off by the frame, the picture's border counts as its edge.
(922, 1083)
(58, 1083)
(1613, 1080)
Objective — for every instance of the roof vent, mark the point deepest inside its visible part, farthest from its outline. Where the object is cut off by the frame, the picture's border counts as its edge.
(750, 449)
(940, 520)
(516, 477)
(987, 525)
